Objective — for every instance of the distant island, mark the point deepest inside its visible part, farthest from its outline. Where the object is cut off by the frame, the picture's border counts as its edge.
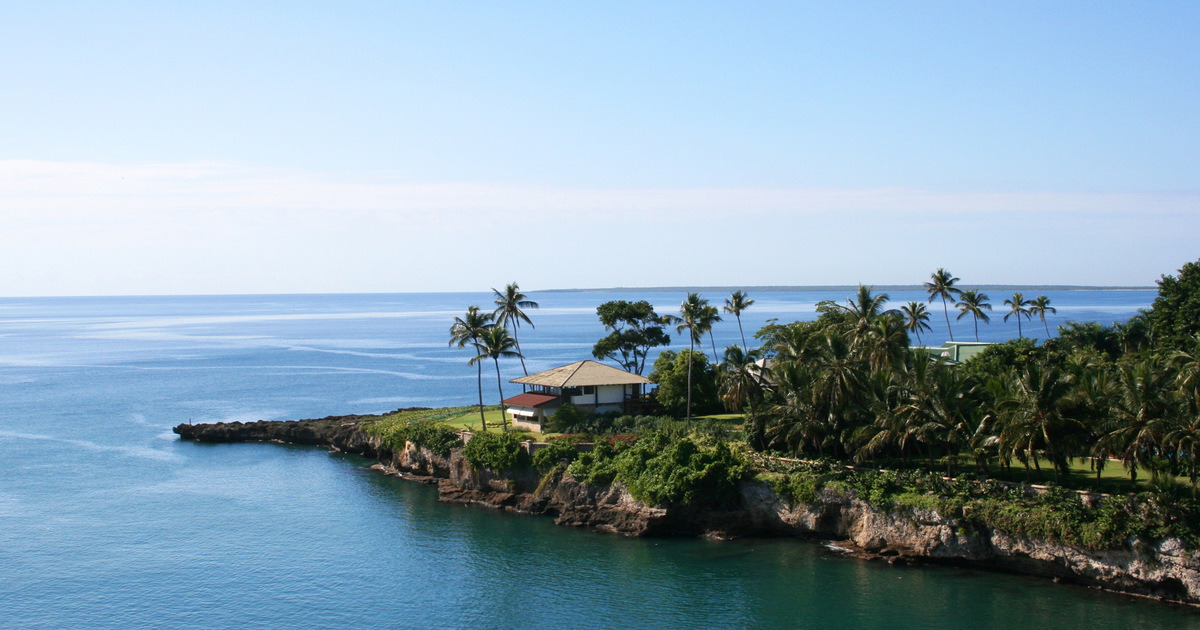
(848, 287)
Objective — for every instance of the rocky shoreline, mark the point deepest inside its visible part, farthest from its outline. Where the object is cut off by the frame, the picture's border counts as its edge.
(1162, 569)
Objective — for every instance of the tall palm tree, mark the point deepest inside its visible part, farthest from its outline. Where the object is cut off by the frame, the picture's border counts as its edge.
(941, 284)
(864, 308)
(1040, 306)
(708, 318)
(508, 311)
(691, 316)
(1018, 306)
(916, 319)
(494, 343)
(741, 378)
(466, 331)
(974, 303)
(735, 304)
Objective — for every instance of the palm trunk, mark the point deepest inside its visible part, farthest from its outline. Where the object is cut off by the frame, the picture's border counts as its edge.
(521, 355)
(691, 349)
(974, 317)
(946, 311)
(1047, 326)
(500, 388)
(482, 420)
(716, 359)
(739, 318)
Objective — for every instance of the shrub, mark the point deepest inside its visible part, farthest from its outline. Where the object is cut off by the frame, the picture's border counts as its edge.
(659, 470)
(497, 451)
(547, 458)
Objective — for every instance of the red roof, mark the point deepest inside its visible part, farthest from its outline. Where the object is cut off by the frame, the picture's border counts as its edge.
(530, 399)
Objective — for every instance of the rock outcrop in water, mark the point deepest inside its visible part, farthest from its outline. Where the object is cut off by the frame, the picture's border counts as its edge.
(1163, 569)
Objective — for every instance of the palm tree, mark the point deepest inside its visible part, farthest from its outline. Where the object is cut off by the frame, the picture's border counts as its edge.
(466, 331)
(941, 285)
(508, 311)
(975, 303)
(916, 319)
(1017, 305)
(708, 318)
(493, 344)
(1040, 306)
(735, 304)
(741, 383)
(864, 308)
(691, 316)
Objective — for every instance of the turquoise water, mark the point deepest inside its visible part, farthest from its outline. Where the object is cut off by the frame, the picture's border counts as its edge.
(106, 520)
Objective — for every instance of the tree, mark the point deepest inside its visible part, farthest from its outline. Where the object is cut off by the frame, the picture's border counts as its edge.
(691, 318)
(466, 331)
(1017, 307)
(684, 379)
(941, 285)
(863, 309)
(494, 343)
(740, 378)
(1175, 315)
(1040, 306)
(508, 314)
(916, 319)
(708, 318)
(735, 305)
(634, 329)
(974, 303)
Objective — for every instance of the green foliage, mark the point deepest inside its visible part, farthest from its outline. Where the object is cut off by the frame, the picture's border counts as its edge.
(1175, 315)
(567, 416)
(422, 427)
(1000, 358)
(659, 470)
(599, 465)
(551, 455)
(497, 451)
(634, 329)
(671, 374)
(577, 421)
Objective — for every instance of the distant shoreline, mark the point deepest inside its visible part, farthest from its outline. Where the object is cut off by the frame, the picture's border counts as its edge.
(848, 287)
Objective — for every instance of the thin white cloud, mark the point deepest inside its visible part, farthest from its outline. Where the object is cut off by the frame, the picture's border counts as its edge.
(87, 229)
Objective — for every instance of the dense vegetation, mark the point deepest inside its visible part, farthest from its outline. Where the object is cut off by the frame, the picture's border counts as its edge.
(865, 414)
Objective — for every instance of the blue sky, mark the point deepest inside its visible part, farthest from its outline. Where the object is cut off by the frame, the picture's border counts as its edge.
(354, 146)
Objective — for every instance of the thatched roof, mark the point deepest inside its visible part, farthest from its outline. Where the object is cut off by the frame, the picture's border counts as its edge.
(580, 374)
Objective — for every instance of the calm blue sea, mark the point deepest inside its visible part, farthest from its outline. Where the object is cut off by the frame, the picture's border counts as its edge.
(108, 521)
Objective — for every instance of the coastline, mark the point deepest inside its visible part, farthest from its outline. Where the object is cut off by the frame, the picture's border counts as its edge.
(1159, 569)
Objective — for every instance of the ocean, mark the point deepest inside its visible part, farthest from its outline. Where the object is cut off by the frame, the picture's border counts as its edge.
(108, 521)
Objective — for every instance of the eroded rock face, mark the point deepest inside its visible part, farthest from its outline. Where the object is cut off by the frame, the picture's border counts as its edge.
(1160, 568)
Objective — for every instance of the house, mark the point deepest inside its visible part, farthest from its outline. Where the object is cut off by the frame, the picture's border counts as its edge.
(590, 385)
(957, 351)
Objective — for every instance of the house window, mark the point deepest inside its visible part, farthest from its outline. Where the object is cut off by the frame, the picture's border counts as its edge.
(589, 390)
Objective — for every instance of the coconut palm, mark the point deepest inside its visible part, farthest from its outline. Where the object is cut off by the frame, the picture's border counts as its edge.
(494, 343)
(509, 315)
(735, 304)
(1018, 307)
(691, 317)
(466, 331)
(974, 303)
(1141, 416)
(916, 319)
(740, 377)
(708, 318)
(864, 308)
(941, 285)
(1040, 306)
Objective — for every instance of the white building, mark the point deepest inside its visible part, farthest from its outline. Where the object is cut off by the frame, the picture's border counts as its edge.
(588, 385)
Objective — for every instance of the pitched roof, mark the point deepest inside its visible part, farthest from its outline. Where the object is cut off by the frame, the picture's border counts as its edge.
(582, 373)
(529, 399)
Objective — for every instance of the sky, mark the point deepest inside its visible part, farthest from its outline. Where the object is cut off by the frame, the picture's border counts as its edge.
(302, 147)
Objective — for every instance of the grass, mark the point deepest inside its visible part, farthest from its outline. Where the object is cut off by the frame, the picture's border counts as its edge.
(458, 418)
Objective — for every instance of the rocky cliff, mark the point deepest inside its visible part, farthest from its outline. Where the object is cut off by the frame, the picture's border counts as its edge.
(1163, 569)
